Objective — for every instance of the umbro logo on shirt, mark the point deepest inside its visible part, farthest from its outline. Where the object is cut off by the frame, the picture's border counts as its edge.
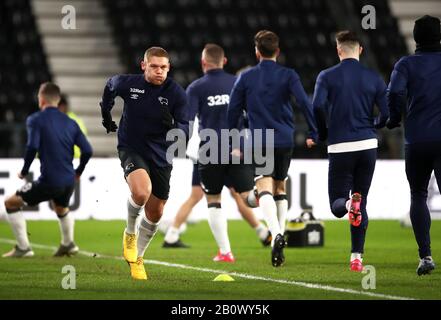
(134, 95)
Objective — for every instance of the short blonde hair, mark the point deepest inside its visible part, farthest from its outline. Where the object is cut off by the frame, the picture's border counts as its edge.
(214, 53)
(51, 92)
(155, 52)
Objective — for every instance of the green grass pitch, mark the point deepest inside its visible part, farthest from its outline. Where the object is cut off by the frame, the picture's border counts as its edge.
(389, 248)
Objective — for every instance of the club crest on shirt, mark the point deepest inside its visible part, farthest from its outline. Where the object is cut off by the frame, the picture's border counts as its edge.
(129, 166)
(163, 101)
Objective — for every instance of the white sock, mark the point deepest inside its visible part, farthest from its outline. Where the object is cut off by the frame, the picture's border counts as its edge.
(356, 255)
(67, 223)
(3, 213)
(252, 200)
(2, 207)
(219, 228)
(261, 231)
(18, 225)
(147, 230)
(172, 235)
(282, 210)
(348, 204)
(269, 210)
(132, 214)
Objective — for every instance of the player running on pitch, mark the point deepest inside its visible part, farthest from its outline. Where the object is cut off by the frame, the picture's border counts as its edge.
(208, 98)
(264, 91)
(153, 104)
(418, 78)
(343, 102)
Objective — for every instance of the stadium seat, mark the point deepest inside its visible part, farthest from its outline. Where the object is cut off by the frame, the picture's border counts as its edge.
(23, 67)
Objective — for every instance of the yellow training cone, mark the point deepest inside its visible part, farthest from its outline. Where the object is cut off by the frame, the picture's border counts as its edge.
(223, 277)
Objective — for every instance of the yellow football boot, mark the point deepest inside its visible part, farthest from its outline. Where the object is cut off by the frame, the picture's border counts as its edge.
(130, 250)
(137, 270)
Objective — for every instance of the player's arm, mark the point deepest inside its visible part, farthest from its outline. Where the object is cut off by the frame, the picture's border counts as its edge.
(193, 106)
(237, 103)
(32, 145)
(107, 103)
(319, 103)
(302, 100)
(86, 150)
(181, 113)
(397, 94)
(381, 102)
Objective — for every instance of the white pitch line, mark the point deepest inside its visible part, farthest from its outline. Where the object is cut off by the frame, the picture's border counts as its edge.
(236, 274)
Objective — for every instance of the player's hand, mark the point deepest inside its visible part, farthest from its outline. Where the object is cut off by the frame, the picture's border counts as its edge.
(77, 177)
(310, 143)
(107, 122)
(110, 125)
(391, 125)
(20, 176)
(167, 118)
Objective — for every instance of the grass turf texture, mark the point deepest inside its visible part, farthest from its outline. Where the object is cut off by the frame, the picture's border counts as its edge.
(389, 248)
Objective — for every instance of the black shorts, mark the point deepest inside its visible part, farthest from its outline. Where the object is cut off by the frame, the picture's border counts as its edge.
(215, 176)
(33, 193)
(159, 176)
(281, 158)
(196, 179)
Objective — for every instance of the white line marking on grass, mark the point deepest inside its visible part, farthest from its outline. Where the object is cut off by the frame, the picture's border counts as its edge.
(236, 274)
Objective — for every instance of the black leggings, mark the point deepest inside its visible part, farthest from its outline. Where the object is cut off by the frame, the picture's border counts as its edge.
(351, 171)
(421, 160)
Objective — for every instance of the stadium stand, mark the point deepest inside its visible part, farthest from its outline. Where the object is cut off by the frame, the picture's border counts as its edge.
(22, 68)
(386, 40)
(407, 11)
(81, 61)
(388, 46)
(184, 26)
(82, 57)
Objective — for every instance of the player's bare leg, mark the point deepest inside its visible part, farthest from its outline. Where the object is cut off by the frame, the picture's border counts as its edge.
(219, 227)
(140, 188)
(12, 206)
(248, 215)
(171, 239)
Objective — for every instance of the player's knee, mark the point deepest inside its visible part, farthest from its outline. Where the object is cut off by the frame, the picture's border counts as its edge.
(12, 205)
(141, 196)
(154, 215)
(279, 189)
(418, 194)
(338, 208)
(8, 204)
(60, 211)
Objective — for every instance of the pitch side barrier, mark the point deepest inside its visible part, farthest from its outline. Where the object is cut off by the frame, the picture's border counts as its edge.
(102, 191)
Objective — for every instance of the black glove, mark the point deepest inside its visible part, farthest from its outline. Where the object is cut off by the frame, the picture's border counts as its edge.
(391, 125)
(167, 118)
(107, 122)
